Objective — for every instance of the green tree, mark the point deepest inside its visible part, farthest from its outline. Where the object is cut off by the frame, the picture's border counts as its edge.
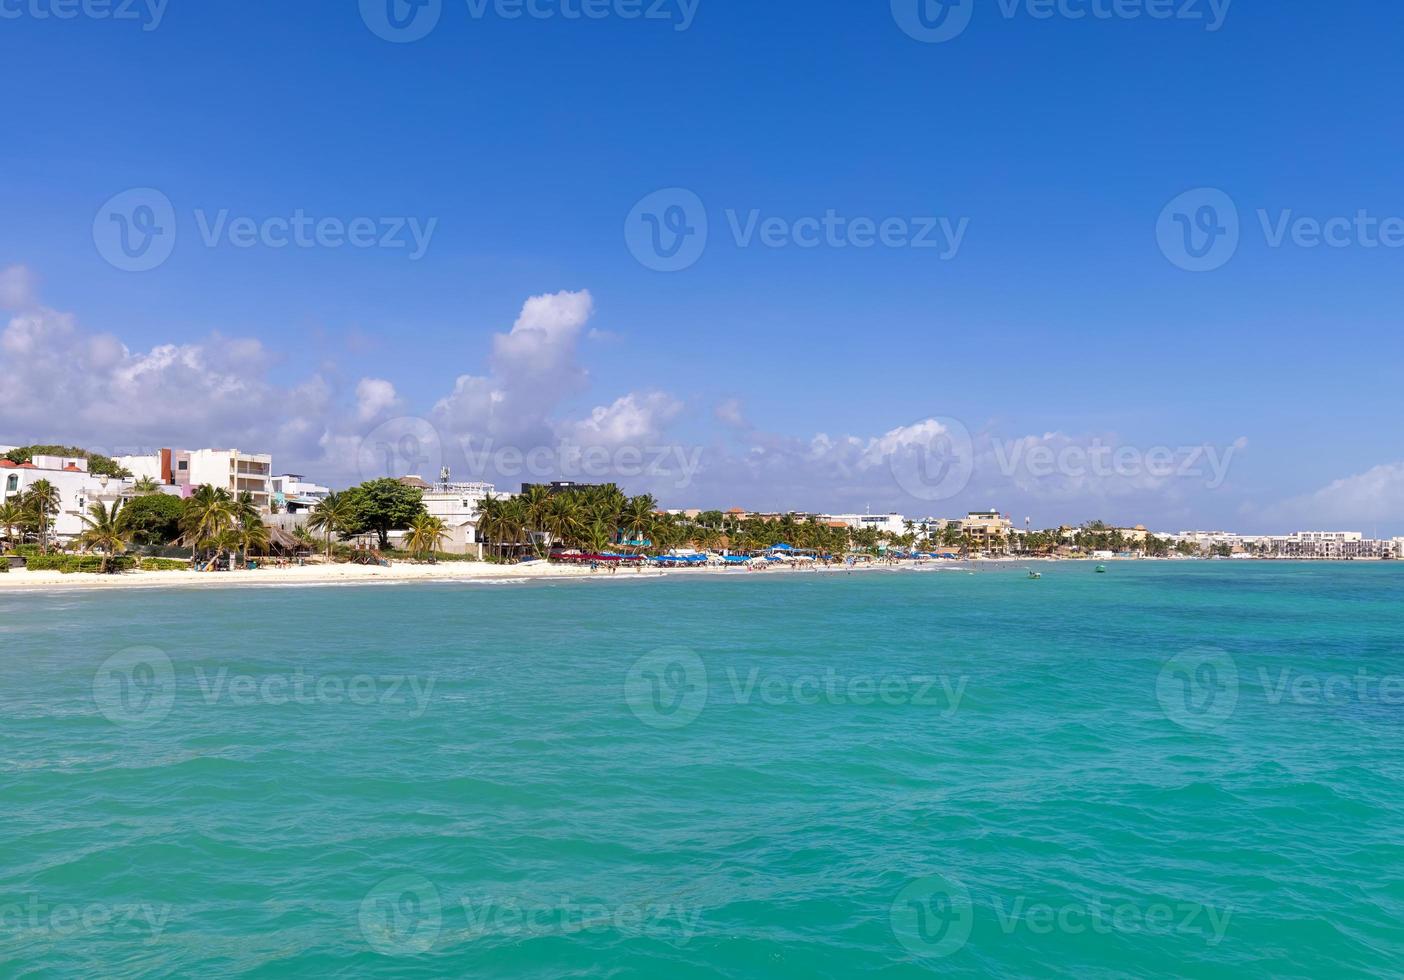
(334, 514)
(104, 531)
(145, 486)
(427, 534)
(42, 501)
(382, 506)
(154, 519)
(207, 516)
(12, 517)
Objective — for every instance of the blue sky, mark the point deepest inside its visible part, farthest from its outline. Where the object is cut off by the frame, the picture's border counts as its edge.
(1059, 319)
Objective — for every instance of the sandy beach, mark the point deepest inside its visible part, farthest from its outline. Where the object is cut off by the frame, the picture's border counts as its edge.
(18, 580)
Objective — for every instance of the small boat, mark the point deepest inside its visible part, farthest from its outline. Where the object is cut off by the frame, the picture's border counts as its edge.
(1035, 574)
(1101, 569)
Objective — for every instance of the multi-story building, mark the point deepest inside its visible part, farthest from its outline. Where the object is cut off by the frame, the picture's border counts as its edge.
(989, 530)
(235, 471)
(78, 489)
(1329, 545)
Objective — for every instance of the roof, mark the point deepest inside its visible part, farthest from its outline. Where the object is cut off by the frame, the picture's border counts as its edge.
(8, 464)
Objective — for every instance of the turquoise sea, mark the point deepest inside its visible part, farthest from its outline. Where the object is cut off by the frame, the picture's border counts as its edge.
(1172, 769)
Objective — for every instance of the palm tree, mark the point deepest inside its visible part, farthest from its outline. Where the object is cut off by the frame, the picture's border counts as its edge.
(12, 515)
(596, 536)
(104, 531)
(426, 535)
(563, 517)
(332, 515)
(253, 539)
(145, 487)
(208, 514)
(637, 518)
(42, 501)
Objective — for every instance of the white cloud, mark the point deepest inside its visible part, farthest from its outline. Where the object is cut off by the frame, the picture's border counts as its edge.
(374, 397)
(636, 419)
(532, 368)
(1353, 503)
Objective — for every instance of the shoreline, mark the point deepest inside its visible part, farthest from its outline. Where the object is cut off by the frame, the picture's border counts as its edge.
(21, 580)
(407, 573)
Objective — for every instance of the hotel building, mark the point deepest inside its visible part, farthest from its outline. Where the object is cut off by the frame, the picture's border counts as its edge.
(188, 470)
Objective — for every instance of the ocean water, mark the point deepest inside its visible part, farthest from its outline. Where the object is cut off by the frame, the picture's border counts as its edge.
(1172, 769)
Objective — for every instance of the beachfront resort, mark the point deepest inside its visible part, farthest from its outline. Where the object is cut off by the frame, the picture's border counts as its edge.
(64, 509)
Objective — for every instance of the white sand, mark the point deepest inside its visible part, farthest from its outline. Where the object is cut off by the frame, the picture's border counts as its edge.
(19, 580)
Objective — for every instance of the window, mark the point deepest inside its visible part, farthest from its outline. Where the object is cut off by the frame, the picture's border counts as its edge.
(183, 465)
(12, 484)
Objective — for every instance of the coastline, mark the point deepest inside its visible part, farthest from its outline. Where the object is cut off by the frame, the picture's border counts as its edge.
(23, 580)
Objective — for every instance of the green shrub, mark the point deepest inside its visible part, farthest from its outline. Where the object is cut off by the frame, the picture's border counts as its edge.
(164, 565)
(69, 564)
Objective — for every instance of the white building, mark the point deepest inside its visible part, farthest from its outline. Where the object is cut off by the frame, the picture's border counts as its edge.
(894, 524)
(290, 493)
(456, 504)
(1329, 545)
(78, 489)
(235, 471)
